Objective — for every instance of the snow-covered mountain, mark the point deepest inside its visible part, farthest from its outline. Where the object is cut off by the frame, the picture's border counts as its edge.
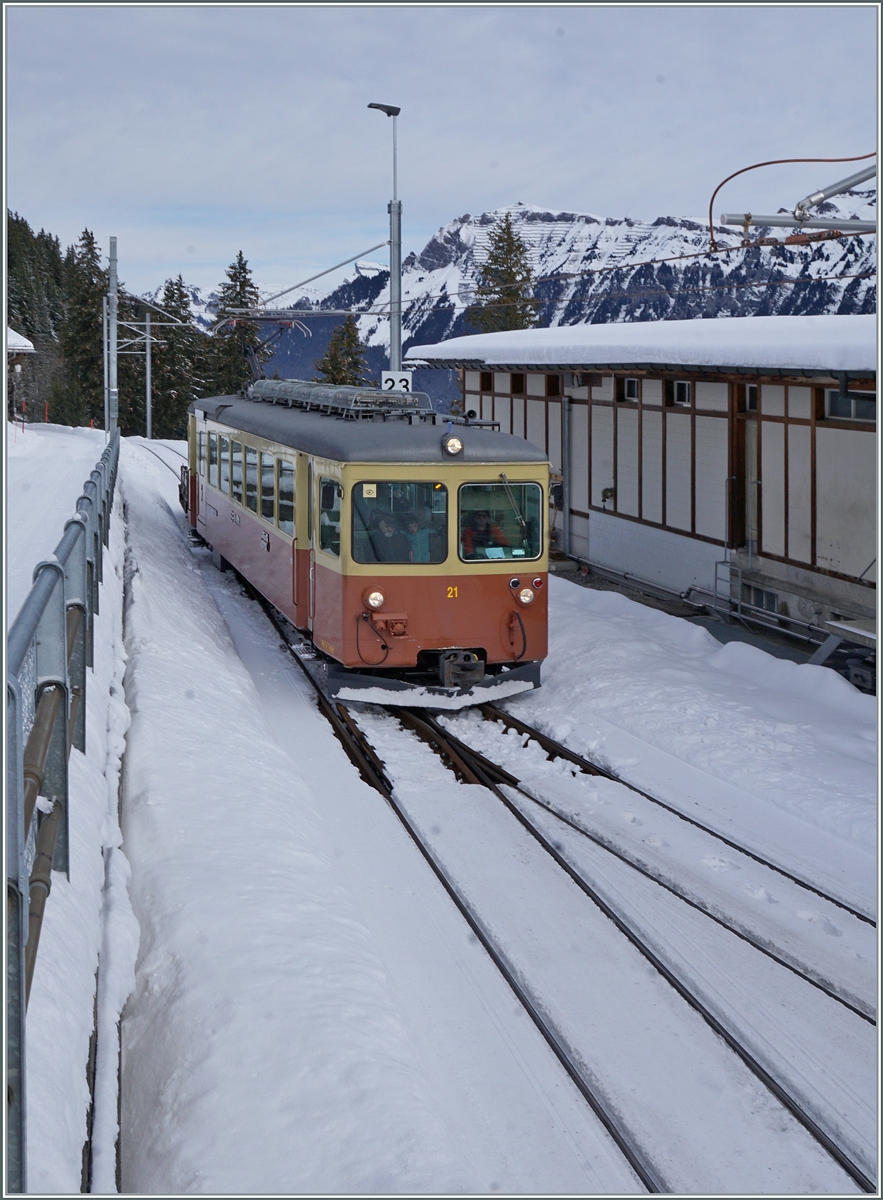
(622, 278)
(589, 269)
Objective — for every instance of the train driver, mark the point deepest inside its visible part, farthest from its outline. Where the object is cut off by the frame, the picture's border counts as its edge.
(479, 533)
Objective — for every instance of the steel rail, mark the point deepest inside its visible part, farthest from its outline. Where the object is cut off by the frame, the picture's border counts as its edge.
(360, 751)
(499, 775)
(557, 750)
(621, 922)
(471, 764)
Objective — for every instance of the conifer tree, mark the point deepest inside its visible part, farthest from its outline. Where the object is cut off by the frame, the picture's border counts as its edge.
(178, 362)
(229, 369)
(79, 396)
(504, 293)
(344, 361)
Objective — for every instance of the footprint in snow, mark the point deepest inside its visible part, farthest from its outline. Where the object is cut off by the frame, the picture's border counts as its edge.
(655, 840)
(718, 864)
(823, 923)
(631, 818)
(760, 893)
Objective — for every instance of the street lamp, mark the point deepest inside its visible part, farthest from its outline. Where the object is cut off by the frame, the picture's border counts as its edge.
(395, 251)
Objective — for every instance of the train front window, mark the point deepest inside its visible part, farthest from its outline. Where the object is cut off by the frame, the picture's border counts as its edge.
(213, 459)
(251, 478)
(225, 465)
(329, 515)
(236, 469)
(285, 490)
(500, 520)
(400, 522)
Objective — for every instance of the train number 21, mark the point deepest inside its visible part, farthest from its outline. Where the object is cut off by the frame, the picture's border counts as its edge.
(453, 593)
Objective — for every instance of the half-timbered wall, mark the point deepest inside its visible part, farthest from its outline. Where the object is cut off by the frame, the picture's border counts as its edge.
(703, 461)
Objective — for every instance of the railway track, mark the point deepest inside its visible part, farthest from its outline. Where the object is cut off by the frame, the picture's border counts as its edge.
(473, 767)
(556, 749)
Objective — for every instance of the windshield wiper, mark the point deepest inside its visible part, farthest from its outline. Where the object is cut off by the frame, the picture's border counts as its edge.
(515, 508)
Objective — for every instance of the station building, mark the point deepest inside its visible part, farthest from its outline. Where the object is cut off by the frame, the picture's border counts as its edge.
(732, 457)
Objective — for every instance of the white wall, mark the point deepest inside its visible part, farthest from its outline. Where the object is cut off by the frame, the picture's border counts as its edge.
(711, 476)
(677, 470)
(656, 555)
(845, 517)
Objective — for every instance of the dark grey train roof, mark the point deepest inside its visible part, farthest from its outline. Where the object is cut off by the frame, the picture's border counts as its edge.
(367, 439)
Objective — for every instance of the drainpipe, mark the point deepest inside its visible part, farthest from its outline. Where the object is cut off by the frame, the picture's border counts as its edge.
(565, 472)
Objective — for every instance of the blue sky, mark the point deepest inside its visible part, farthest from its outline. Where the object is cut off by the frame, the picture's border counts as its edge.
(194, 131)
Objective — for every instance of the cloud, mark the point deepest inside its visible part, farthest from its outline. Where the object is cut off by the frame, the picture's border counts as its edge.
(247, 126)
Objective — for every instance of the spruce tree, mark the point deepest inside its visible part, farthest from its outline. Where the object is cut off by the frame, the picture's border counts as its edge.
(228, 367)
(80, 396)
(504, 293)
(178, 362)
(344, 360)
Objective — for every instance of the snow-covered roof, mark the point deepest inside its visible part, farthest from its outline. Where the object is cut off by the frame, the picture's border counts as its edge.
(16, 344)
(794, 344)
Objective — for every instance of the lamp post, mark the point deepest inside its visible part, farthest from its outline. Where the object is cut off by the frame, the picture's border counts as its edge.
(395, 250)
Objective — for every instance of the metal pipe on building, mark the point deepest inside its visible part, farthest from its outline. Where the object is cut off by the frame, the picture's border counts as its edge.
(113, 316)
(565, 473)
(835, 189)
(788, 221)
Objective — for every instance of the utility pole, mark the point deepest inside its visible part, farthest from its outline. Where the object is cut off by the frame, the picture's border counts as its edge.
(147, 397)
(104, 331)
(113, 313)
(395, 249)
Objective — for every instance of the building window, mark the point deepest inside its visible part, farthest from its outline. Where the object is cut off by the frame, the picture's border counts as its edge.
(851, 406)
(759, 598)
(517, 385)
(553, 385)
(487, 381)
(628, 389)
(751, 392)
(682, 393)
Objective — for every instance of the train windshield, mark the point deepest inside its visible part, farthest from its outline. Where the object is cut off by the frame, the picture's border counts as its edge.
(500, 520)
(398, 522)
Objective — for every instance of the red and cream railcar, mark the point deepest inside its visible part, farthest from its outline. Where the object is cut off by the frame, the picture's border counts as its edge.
(412, 552)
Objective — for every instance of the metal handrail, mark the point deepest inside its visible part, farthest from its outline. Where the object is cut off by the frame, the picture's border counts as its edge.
(49, 648)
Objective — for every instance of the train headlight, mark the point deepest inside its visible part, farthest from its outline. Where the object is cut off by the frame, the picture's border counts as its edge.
(374, 599)
(452, 444)
(525, 596)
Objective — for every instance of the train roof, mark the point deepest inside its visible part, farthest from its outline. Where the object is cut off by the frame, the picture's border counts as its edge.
(393, 439)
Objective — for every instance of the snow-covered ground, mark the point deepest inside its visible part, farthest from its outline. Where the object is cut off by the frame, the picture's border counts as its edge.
(310, 1014)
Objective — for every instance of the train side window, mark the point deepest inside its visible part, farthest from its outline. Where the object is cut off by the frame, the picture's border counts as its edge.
(236, 469)
(329, 515)
(213, 459)
(225, 465)
(200, 451)
(285, 496)
(268, 487)
(251, 478)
